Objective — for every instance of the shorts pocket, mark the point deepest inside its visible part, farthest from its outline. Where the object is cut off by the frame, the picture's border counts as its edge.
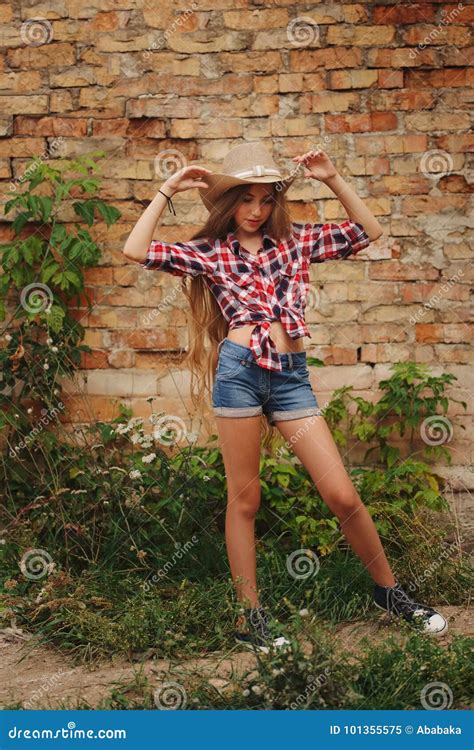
(228, 367)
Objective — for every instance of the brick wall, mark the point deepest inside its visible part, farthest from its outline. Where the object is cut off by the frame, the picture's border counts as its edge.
(384, 88)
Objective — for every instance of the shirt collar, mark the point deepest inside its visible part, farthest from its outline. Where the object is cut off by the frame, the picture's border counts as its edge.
(233, 242)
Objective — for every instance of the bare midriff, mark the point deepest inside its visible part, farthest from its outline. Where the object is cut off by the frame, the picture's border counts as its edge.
(283, 342)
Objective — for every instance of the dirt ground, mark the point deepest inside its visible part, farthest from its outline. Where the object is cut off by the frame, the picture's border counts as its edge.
(41, 677)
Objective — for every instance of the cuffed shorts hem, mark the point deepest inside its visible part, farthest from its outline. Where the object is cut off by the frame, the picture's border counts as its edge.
(281, 416)
(230, 411)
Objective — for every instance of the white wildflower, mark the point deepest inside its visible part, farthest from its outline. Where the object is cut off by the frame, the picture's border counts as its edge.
(245, 693)
(149, 458)
(45, 366)
(135, 474)
(40, 596)
(257, 689)
(122, 429)
(49, 341)
(54, 349)
(304, 613)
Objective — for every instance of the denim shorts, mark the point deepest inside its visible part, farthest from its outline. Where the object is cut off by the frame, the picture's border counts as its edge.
(244, 389)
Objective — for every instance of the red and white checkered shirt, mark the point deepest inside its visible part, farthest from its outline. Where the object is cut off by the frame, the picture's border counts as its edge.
(272, 285)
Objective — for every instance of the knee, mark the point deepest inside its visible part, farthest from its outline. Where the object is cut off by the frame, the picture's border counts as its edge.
(344, 503)
(246, 498)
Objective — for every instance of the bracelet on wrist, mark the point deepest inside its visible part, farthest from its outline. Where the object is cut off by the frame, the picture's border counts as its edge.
(170, 202)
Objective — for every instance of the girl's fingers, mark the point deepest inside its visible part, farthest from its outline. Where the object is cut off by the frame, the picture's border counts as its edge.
(308, 155)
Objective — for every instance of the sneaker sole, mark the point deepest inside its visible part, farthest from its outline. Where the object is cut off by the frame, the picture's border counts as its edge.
(264, 649)
(252, 646)
(435, 633)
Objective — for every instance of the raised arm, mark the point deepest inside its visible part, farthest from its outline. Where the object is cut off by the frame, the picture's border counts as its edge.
(355, 207)
(319, 166)
(139, 239)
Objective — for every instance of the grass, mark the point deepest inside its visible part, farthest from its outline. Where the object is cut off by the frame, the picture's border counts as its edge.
(99, 613)
(392, 676)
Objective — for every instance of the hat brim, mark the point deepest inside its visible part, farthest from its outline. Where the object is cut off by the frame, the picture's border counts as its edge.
(219, 183)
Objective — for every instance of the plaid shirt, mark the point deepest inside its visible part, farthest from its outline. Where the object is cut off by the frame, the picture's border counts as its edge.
(262, 288)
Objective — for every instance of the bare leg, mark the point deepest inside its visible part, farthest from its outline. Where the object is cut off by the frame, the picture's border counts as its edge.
(314, 445)
(240, 445)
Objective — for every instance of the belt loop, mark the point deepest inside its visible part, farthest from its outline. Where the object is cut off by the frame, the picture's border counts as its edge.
(219, 346)
(290, 361)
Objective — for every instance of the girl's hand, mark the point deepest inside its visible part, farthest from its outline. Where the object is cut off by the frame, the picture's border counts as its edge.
(318, 165)
(187, 178)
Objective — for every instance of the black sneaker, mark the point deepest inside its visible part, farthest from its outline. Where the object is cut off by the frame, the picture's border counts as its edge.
(395, 600)
(259, 638)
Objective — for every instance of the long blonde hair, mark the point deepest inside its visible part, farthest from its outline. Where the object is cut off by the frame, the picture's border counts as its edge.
(207, 323)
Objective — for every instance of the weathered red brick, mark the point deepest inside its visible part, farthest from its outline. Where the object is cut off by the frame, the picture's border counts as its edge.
(66, 126)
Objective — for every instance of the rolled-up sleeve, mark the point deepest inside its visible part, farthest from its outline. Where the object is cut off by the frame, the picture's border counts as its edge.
(180, 258)
(327, 241)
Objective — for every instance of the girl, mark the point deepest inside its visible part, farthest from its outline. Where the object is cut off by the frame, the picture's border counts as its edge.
(248, 269)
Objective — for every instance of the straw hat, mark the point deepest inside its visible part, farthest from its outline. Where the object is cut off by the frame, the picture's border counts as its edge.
(243, 165)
